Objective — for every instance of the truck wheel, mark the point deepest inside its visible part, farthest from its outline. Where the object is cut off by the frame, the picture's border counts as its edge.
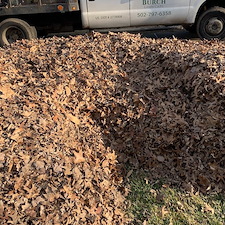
(14, 29)
(211, 24)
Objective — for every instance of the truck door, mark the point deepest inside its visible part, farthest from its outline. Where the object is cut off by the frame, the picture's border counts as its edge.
(158, 12)
(108, 13)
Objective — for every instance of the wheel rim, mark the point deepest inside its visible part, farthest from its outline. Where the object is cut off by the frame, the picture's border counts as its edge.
(14, 33)
(214, 26)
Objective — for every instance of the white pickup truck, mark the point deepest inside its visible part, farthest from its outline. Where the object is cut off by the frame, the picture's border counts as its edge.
(21, 19)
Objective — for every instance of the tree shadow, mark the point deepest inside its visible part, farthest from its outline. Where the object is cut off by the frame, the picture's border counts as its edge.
(165, 114)
(171, 32)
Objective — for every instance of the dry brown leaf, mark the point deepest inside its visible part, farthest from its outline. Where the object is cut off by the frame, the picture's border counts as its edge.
(164, 211)
(70, 192)
(68, 169)
(2, 156)
(2, 140)
(1, 208)
(209, 209)
(145, 222)
(79, 158)
(6, 91)
(160, 158)
(16, 135)
(33, 49)
(68, 91)
(73, 118)
(40, 164)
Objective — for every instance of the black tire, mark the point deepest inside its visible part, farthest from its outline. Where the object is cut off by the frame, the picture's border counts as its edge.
(211, 24)
(190, 28)
(14, 29)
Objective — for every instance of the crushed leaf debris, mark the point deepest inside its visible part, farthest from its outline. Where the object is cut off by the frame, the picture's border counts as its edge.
(75, 110)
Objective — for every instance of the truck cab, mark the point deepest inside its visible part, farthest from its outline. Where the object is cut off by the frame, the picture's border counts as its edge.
(29, 18)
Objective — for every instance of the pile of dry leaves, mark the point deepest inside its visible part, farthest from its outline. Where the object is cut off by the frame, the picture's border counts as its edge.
(74, 111)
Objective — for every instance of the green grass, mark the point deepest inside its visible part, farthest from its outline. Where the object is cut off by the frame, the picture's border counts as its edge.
(159, 204)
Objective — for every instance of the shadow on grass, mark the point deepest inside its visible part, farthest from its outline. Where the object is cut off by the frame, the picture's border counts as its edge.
(166, 117)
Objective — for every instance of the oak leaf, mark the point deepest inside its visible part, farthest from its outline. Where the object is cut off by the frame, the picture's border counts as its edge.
(73, 118)
(208, 208)
(6, 91)
(79, 158)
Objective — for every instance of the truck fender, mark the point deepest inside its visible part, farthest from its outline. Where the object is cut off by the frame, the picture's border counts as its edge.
(195, 8)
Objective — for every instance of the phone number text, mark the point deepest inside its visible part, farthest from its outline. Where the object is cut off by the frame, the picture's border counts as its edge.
(163, 13)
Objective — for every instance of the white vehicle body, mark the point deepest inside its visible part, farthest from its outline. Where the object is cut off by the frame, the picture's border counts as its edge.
(126, 13)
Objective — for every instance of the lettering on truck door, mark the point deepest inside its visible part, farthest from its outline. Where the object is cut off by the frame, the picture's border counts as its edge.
(158, 12)
(108, 13)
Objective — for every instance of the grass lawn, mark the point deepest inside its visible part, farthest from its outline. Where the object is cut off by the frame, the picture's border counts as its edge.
(158, 204)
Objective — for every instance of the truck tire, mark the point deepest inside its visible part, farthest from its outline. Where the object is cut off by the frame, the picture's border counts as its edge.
(14, 29)
(211, 24)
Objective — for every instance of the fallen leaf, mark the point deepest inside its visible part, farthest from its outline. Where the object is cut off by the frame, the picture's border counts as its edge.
(73, 119)
(2, 156)
(160, 158)
(164, 211)
(78, 157)
(208, 208)
(1, 208)
(6, 91)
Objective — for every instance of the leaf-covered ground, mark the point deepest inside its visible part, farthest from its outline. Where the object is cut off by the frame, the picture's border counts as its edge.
(74, 111)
